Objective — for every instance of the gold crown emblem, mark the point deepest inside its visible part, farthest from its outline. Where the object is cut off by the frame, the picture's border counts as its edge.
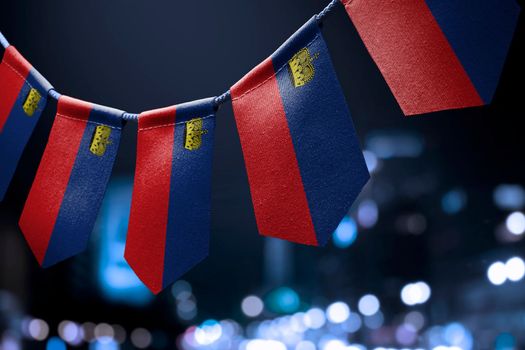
(31, 102)
(100, 140)
(194, 132)
(301, 67)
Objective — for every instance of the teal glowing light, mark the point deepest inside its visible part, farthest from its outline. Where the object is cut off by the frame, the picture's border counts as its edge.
(283, 300)
(454, 201)
(505, 341)
(116, 279)
(346, 233)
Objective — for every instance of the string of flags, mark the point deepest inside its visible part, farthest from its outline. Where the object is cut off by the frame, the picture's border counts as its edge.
(304, 163)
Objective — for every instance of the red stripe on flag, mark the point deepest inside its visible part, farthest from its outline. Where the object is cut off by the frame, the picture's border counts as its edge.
(279, 200)
(45, 198)
(146, 240)
(14, 69)
(413, 54)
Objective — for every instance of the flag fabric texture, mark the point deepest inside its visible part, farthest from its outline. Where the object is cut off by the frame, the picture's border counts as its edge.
(69, 186)
(23, 97)
(169, 226)
(437, 54)
(303, 159)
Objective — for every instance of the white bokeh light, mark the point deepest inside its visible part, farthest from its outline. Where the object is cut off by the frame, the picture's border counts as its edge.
(314, 318)
(338, 312)
(305, 345)
(497, 273)
(334, 344)
(38, 329)
(252, 306)
(516, 223)
(415, 293)
(515, 269)
(368, 305)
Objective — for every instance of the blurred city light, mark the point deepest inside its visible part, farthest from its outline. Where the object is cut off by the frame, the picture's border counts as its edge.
(305, 345)
(116, 279)
(110, 345)
(181, 290)
(509, 197)
(346, 233)
(415, 293)
(505, 341)
(88, 330)
(55, 343)
(416, 319)
(314, 318)
(38, 329)
(456, 335)
(252, 306)
(367, 213)
(334, 344)
(375, 321)
(338, 312)
(516, 223)
(454, 201)
(353, 323)
(513, 270)
(368, 305)
(371, 160)
(141, 338)
(406, 334)
(70, 332)
(9, 341)
(104, 333)
(261, 344)
(208, 332)
(283, 300)
(391, 144)
(497, 273)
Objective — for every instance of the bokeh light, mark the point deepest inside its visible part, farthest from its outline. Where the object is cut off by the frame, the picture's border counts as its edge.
(415, 293)
(252, 306)
(346, 233)
(338, 312)
(38, 329)
(516, 223)
(368, 305)
(314, 318)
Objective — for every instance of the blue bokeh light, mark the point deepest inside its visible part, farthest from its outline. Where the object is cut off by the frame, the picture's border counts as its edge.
(454, 201)
(346, 233)
(283, 300)
(116, 279)
(55, 343)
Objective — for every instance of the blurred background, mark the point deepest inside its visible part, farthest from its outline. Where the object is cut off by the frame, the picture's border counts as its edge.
(430, 256)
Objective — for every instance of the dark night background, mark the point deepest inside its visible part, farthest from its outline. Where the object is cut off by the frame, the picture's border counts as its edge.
(437, 218)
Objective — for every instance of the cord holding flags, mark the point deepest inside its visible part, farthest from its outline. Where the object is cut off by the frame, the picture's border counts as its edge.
(304, 163)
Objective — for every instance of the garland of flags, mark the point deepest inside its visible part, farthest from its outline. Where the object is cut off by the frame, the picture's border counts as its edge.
(304, 163)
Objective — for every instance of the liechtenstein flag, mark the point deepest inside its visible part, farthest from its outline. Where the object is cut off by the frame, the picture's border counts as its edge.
(63, 203)
(23, 97)
(437, 54)
(303, 159)
(169, 225)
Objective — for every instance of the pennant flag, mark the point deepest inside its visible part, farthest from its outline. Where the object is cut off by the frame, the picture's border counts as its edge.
(304, 163)
(23, 97)
(169, 225)
(437, 54)
(67, 192)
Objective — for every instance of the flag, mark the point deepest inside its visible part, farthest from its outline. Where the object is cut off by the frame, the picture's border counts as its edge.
(437, 54)
(169, 225)
(23, 97)
(67, 192)
(303, 159)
